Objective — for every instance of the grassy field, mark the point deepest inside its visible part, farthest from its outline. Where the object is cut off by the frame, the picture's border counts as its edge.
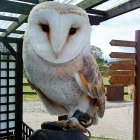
(105, 80)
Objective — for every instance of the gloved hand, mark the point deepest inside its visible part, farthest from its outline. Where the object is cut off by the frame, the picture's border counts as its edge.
(51, 131)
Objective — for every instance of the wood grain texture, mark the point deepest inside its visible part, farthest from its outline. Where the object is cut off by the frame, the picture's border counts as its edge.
(125, 80)
(122, 67)
(123, 43)
(121, 73)
(122, 55)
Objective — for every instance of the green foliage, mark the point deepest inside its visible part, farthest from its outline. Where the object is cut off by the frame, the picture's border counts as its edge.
(105, 80)
(31, 97)
(94, 138)
(97, 52)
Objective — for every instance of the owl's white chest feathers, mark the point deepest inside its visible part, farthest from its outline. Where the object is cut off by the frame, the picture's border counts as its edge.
(56, 81)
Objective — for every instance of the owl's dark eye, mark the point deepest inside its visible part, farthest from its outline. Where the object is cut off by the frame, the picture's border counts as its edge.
(45, 28)
(72, 31)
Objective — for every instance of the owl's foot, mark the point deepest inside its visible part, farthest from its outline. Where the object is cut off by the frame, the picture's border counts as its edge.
(79, 121)
(84, 118)
(73, 123)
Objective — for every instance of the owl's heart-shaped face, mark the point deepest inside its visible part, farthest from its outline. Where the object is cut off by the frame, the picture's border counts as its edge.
(57, 33)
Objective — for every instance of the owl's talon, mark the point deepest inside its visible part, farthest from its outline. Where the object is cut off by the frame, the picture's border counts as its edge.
(84, 118)
(73, 123)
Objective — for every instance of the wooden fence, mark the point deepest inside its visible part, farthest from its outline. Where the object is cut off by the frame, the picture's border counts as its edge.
(26, 84)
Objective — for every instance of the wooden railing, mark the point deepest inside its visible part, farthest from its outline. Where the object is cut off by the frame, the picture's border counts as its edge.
(27, 85)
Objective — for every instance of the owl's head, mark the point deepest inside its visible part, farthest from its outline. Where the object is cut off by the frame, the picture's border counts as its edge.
(58, 32)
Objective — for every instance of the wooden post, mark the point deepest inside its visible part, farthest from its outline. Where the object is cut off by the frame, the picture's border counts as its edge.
(136, 123)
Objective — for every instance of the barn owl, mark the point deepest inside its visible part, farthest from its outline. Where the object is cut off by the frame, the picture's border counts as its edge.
(59, 64)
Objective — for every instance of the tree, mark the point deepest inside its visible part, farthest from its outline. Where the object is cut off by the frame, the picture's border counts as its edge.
(97, 52)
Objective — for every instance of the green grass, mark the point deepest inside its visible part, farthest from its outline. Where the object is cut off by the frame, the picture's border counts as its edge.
(28, 89)
(127, 98)
(95, 138)
(30, 97)
(105, 80)
(24, 79)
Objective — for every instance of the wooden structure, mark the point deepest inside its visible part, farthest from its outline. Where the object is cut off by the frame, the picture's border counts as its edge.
(115, 92)
(126, 72)
(13, 19)
(122, 72)
(10, 85)
(136, 127)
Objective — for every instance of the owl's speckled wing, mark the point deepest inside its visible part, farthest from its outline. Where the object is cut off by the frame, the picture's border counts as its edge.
(91, 83)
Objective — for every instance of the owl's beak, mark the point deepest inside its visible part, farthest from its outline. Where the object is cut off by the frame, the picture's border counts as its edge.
(57, 49)
(58, 41)
(56, 54)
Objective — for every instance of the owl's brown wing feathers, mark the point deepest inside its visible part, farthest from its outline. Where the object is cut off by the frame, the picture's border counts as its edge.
(91, 83)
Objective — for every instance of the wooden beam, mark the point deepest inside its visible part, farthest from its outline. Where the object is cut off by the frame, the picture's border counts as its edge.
(136, 118)
(30, 1)
(122, 73)
(124, 62)
(10, 39)
(39, 1)
(122, 55)
(34, 1)
(8, 18)
(2, 30)
(30, 93)
(121, 67)
(16, 31)
(97, 12)
(123, 8)
(123, 43)
(15, 7)
(90, 3)
(15, 25)
(11, 50)
(125, 80)
(95, 20)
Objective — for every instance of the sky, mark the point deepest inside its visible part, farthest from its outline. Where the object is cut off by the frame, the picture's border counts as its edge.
(120, 28)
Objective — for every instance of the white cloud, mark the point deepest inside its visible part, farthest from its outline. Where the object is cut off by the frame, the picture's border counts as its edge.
(119, 28)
